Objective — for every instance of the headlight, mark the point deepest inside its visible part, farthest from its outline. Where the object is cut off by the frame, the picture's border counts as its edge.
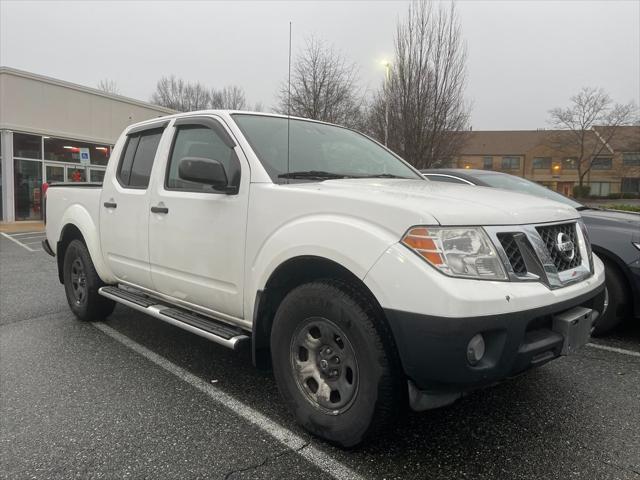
(459, 252)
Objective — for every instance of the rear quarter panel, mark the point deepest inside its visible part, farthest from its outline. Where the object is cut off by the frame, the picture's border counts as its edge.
(78, 206)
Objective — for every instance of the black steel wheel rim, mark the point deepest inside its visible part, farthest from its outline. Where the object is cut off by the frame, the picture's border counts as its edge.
(78, 281)
(324, 365)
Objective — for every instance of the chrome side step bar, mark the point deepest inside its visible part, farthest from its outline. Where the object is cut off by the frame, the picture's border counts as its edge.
(206, 327)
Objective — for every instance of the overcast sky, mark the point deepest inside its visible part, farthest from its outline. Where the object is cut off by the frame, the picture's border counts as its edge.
(525, 57)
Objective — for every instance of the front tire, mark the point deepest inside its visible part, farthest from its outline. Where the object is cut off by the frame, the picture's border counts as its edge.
(81, 284)
(618, 301)
(335, 364)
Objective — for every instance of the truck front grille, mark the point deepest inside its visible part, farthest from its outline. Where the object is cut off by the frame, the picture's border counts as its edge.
(514, 255)
(553, 254)
(550, 235)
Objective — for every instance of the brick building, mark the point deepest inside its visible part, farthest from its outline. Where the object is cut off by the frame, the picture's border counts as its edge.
(549, 158)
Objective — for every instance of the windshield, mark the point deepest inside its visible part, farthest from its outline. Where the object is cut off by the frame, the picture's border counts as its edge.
(317, 151)
(517, 184)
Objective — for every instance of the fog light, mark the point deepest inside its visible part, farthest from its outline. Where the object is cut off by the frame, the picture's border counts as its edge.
(475, 349)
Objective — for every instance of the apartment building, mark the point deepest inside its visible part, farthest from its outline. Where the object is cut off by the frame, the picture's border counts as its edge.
(550, 157)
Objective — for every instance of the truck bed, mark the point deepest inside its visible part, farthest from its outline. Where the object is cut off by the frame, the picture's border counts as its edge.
(69, 203)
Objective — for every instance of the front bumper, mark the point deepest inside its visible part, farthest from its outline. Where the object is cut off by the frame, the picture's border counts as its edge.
(433, 349)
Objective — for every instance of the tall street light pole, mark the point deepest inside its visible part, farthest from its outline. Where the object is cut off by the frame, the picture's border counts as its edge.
(387, 70)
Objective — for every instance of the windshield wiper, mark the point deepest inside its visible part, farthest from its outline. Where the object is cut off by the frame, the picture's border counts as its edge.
(312, 174)
(383, 175)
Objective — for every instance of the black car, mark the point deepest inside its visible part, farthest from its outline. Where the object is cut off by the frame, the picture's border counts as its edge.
(615, 238)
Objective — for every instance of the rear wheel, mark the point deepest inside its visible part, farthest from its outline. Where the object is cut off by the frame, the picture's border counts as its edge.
(81, 284)
(334, 363)
(617, 300)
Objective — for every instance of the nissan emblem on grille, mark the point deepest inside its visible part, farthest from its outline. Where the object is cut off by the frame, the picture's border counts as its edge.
(565, 246)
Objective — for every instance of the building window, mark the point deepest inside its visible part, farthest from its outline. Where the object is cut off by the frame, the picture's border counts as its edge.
(599, 189)
(1, 211)
(27, 189)
(570, 163)
(487, 163)
(54, 174)
(631, 159)
(601, 163)
(61, 150)
(630, 185)
(27, 146)
(96, 175)
(510, 163)
(542, 163)
(76, 174)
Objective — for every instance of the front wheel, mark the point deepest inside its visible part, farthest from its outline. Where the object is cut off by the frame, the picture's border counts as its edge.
(81, 284)
(334, 363)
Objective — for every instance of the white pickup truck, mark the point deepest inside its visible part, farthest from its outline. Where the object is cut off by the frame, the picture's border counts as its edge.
(363, 285)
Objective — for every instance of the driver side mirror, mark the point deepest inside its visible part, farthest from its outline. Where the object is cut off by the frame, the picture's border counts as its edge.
(203, 170)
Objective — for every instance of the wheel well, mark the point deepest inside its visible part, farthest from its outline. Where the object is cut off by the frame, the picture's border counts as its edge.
(69, 233)
(286, 277)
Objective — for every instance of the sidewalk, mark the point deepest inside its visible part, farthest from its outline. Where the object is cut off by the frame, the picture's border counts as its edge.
(17, 227)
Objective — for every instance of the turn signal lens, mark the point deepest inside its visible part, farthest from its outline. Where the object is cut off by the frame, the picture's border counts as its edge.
(459, 252)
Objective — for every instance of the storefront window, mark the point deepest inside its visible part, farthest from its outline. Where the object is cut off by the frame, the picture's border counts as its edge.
(27, 146)
(1, 214)
(61, 150)
(54, 174)
(27, 189)
(76, 174)
(96, 175)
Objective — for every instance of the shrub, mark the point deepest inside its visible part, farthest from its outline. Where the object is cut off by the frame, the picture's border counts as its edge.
(581, 191)
(628, 208)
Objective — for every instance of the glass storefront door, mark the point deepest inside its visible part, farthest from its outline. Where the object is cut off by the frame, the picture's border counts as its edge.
(28, 189)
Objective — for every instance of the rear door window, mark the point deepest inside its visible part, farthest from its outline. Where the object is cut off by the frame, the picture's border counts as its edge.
(137, 159)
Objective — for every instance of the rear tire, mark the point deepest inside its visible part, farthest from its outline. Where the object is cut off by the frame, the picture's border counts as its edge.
(81, 284)
(618, 301)
(335, 364)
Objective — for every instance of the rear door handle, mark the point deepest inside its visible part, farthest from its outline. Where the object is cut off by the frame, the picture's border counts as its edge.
(159, 210)
(110, 204)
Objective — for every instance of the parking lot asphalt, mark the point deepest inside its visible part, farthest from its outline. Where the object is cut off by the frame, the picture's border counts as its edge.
(136, 398)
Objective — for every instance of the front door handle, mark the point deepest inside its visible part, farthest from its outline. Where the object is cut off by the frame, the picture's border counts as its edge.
(159, 210)
(110, 204)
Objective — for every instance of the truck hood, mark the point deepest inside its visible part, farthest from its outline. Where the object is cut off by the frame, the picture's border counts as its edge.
(448, 204)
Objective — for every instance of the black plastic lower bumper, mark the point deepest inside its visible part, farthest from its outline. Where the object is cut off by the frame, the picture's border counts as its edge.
(47, 248)
(433, 350)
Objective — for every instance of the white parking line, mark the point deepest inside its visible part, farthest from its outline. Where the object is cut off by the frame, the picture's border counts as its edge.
(614, 349)
(41, 237)
(36, 232)
(18, 242)
(288, 438)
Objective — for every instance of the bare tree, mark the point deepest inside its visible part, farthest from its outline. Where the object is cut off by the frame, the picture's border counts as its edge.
(323, 86)
(423, 98)
(258, 107)
(108, 86)
(229, 98)
(589, 108)
(179, 95)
